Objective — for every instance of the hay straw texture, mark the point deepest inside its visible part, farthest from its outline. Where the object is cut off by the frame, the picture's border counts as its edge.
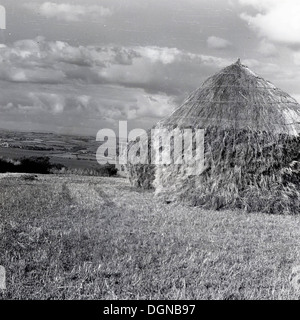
(252, 147)
(238, 98)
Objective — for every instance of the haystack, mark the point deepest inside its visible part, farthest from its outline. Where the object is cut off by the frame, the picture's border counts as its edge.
(251, 147)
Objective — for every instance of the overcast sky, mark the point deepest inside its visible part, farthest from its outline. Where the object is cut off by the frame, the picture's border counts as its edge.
(79, 66)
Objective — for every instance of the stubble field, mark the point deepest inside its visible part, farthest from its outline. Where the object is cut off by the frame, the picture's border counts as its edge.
(76, 237)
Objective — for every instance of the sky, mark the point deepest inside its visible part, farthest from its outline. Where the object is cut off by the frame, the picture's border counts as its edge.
(75, 67)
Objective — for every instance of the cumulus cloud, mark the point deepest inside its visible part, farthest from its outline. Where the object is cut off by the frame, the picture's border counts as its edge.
(267, 49)
(158, 54)
(52, 102)
(217, 43)
(70, 12)
(259, 4)
(296, 56)
(42, 79)
(267, 69)
(2, 18)
(297, 97)
(276, 20)
(152, 68)
(39, 75)
(163, 70)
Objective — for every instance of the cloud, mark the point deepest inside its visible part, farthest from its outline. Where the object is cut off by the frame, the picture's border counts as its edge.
(162, 70)
(267, 49)
(297, 97)
(259, 4)
(154, 69)
(296, 56)
(52, 102)
(70, 12)
(39, 75)
(53, 82)
(152, 106)
(217, 43)
(2, 18)
(111, 104)
(158, 54)
(275, 20)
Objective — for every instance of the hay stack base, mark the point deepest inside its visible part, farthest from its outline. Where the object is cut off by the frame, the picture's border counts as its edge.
(243, 170)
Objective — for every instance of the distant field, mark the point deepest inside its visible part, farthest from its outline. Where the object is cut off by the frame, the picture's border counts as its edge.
(71, 151)
(67, 160)
(74, 237)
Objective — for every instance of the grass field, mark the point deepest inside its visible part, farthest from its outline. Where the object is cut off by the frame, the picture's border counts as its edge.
(76, 237)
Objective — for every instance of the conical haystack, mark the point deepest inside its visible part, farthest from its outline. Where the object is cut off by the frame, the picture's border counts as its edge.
(251, 147)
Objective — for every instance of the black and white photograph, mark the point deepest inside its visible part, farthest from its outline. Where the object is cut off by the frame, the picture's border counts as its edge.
(149, 151)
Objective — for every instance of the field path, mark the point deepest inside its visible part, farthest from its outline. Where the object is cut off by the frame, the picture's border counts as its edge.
(93, 195)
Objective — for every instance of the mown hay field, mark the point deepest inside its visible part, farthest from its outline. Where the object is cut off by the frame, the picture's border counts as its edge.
(76, 237)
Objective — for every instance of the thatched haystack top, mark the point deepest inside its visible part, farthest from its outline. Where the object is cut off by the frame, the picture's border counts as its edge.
(236, 97)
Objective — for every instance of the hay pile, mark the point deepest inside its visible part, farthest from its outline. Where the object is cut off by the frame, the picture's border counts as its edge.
(252, 147)
(254, 171)
(141, 175)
